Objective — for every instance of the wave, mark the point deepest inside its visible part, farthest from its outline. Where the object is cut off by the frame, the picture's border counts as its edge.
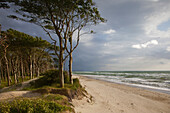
(156, 80)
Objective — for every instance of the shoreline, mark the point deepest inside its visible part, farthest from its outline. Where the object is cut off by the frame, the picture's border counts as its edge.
(119, 98)
(150, 88)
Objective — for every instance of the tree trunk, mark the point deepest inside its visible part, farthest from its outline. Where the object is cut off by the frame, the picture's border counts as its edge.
(18, 69)
(31, 68)
(15, 78)
(22, 69)
(12, 66)
(70, 68)
(15, 70)
(7, 68)
(1, 71)
(5, 74)
(27, 69)
(61, 65)
(0, 80)
(61, 75)
(61, 71)
(38, 71)
(70, 61)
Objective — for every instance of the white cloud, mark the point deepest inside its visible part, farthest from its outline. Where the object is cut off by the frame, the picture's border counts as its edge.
(154, 0)
(106, 44)
(138, 46)
(145, 45)
(168, 48)
(103, 23)
(110, 31)
(85, 38)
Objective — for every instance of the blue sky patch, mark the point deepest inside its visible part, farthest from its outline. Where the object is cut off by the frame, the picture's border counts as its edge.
(164, 26)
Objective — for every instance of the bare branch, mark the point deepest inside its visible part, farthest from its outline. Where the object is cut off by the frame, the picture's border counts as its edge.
(47, 33)
(66, 34)
(55, 42)
(56, 49)
(78, 39)
(65, 57)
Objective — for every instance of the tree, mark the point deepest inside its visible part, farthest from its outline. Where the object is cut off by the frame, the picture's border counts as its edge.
(82, 19)
(5, 44)
(27, 48)
(62, 17)
(15, 51)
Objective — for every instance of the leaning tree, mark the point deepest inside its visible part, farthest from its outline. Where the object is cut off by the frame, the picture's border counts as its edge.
(22, 54)
(61, 17)
(4, 44)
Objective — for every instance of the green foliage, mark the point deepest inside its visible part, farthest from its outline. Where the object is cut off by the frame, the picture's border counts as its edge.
(13, 16)
(4, 5)
(50, 81)
(60, 99)
(49, 78)
(38, 105)
(53, 76)
(19, 39)
(5, 84)
(66, 77)
(76, 84)
(60, 16)
(24, 49)
(54, 97)
(49, 27)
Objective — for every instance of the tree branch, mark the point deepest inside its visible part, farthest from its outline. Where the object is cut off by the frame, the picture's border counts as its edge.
(65, 57)
(78, 39)
(55, 42)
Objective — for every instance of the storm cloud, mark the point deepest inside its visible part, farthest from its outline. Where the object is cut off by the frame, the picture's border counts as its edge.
(135, 37)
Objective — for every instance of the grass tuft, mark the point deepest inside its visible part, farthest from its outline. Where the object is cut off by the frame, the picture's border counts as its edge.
(48, 104)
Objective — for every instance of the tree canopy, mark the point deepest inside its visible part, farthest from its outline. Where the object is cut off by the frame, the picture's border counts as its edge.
(62, 17)
(24, 55)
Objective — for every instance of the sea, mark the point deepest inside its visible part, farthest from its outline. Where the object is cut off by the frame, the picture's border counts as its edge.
(151, 80)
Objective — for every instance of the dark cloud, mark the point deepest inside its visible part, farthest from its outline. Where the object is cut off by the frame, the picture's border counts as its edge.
(25, 27)
(131, 20)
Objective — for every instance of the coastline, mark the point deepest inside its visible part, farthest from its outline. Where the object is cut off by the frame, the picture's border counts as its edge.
(151, 88)
(119, 98)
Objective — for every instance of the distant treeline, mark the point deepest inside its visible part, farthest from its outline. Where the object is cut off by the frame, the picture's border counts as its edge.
(22, 55)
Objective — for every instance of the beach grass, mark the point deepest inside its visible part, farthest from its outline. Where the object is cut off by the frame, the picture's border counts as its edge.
(46, 104)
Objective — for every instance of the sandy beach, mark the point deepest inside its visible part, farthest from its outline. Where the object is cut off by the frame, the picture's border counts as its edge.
(105, 97)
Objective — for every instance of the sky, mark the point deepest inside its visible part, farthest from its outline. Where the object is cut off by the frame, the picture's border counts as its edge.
(136, 37)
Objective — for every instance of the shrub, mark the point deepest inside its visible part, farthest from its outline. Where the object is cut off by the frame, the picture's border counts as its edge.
(53, 76)
(54, 97)
(49, 78)
(76, 83)
(66, 77)
(26, 105)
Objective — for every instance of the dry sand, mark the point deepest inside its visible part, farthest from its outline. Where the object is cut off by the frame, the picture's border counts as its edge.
(117, 98)
(14, 94)
(5, 94)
